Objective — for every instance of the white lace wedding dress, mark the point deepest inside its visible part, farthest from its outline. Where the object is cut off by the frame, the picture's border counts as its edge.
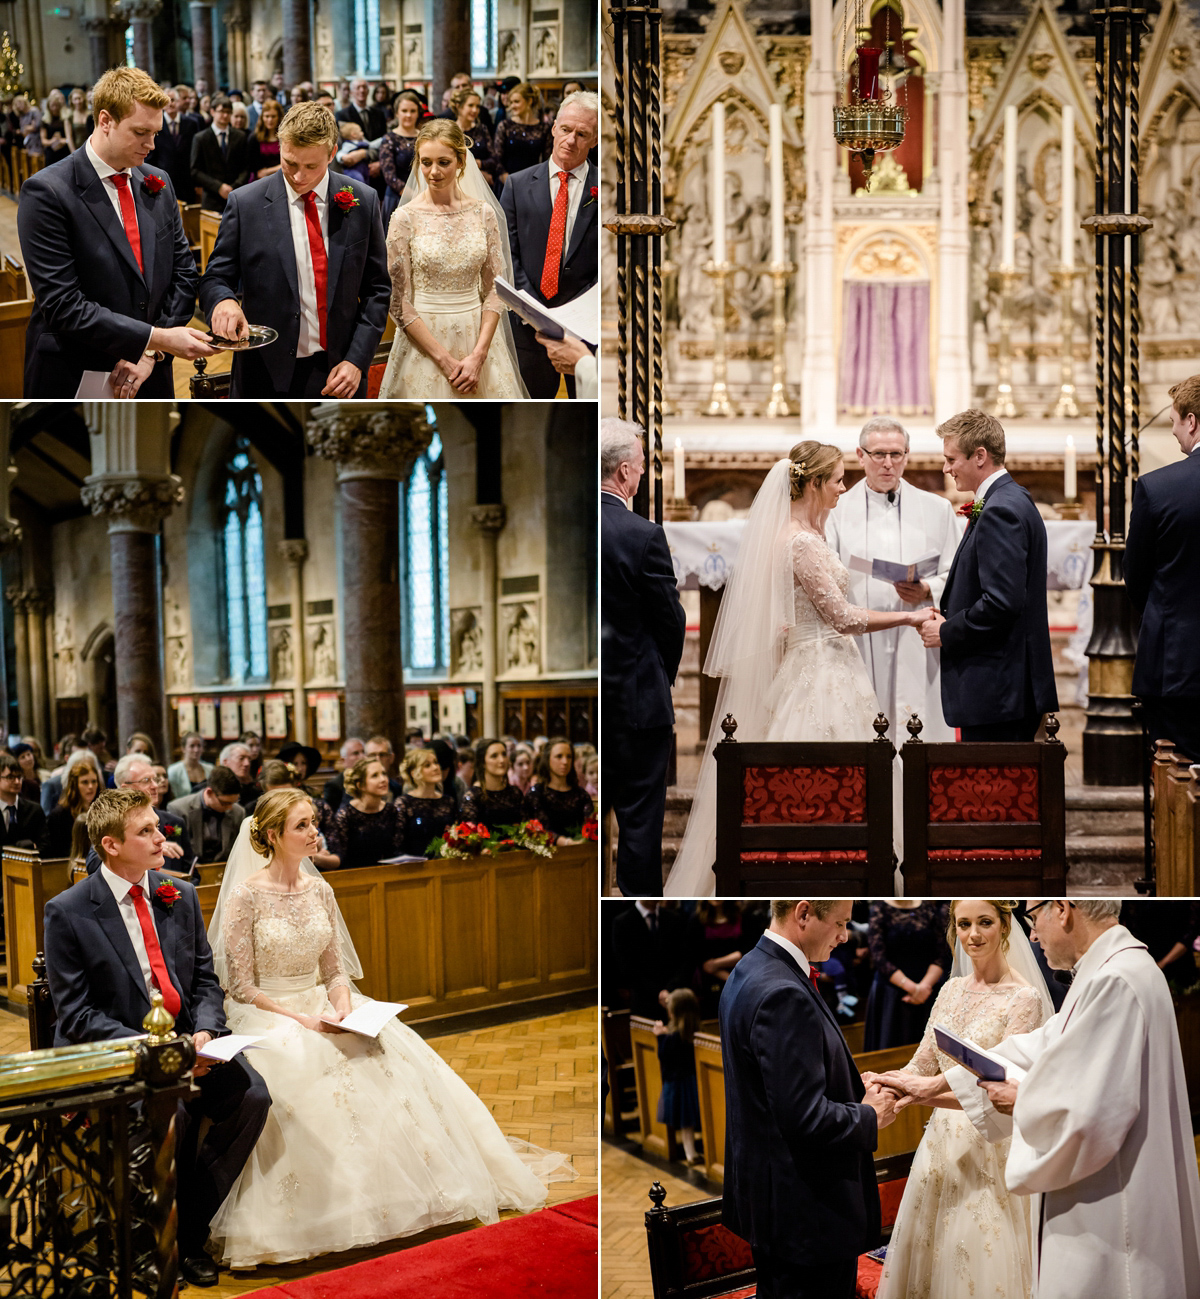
(366, 1139)
(958, 1231)
(444, 265)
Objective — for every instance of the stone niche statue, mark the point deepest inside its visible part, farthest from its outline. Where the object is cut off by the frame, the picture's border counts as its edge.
(522, 648)
(324, 660)
(509, 58)
(466, 641)
(282, 662)
(546, 51)
(179, 661)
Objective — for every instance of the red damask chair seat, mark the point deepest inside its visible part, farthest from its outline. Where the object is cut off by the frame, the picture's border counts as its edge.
(859, 855)
(985, 854)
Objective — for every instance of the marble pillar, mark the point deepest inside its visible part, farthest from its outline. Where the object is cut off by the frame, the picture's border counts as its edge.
(204, 66)
(374, 449)
(36, 605)
(450, 43)
(140, 15)
(952, 392)
(489, 520)
(237, 26)
(295, 552)
(98, 29)
(297, 43)
(16, 597)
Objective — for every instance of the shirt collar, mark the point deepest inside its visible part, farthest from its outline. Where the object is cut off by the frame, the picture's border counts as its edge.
(119, 885)
(989, 482)
(644, 911)
(103, 170)
(580, 171)
(216, 130)
(792, 950)
(880, 498)
(320, 189)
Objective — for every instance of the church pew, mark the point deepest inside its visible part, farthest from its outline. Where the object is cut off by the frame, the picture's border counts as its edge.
(656, 1138)
(14, 320)
(12, 279)
(1176, 823)
(29, 883)
(620, 1107)
(208, 225)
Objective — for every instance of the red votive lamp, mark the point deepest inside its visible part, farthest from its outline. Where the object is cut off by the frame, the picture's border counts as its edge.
(868, 72)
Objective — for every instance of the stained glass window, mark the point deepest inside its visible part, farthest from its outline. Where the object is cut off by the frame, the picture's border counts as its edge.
(245, 578)
(366, 36)
(424, 541)
(483, 35)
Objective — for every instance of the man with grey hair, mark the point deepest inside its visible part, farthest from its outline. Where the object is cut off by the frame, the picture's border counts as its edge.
(136, 771)
(1096, 1106)
(642, 628)
(238, 758)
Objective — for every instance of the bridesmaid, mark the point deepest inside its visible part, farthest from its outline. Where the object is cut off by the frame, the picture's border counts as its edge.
(396, 151)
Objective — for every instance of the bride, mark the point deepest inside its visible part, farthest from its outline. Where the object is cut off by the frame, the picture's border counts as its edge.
(784, 639)
(446, 245)
(367, 1139)
(957, 1220)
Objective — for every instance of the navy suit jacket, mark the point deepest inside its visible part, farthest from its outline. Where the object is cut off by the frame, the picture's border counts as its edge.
(996, 662)
(93, 307)
(642, 623)
(173, 153)
(799, 1173)
(254, 260)
(96, 983)
(526, 204)
(1162, 565)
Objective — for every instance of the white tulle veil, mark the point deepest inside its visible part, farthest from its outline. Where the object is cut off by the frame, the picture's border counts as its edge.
(1021, 961)
(757, 610)
(245, 861)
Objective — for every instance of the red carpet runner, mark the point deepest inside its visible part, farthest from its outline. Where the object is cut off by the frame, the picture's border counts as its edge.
(551, 1254)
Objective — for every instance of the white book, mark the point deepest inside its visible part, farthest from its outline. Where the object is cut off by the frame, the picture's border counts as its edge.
(367, 1020)
(225, 1048)
(579, 318)
(95, 385)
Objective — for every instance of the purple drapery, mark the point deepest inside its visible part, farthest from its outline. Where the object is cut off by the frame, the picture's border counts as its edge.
(885, 349)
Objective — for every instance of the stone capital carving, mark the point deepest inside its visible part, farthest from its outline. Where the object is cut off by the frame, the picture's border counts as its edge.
(378, 442)
(38, 601)
(16, 596)
(10, 535)
(132, 502)
(294, 550)
(97, 25)
(489, 518)
(139, 10)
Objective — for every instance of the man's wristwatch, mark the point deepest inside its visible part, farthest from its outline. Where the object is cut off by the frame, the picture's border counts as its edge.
(158, 356)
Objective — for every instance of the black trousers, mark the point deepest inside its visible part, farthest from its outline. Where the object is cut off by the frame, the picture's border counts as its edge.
(235, 1097)
(309, 376)
(1175, 718)
(539, 374)
(783, 1279)
(1022, 730)
(634, 785)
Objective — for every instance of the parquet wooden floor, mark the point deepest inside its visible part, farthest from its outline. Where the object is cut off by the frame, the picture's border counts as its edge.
(537, 1076)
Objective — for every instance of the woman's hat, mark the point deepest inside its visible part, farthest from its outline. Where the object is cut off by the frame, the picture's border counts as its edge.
(311, 756)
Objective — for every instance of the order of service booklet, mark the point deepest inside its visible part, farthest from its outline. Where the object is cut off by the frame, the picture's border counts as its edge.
(888, 571)
(975, 1058)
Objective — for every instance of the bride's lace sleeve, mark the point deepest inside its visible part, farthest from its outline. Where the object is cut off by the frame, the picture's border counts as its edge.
(814, 574)
(399, 260)
(238, 932)
(493, 264)
(1025, 1012)
(333, 972)
(926, 1061)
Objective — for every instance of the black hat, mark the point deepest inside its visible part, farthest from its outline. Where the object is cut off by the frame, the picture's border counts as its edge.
(507, 84)
(311, 756)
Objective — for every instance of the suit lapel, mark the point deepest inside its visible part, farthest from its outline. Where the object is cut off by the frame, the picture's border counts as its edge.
(585, 218)
(95, 198)
(278, 196)
(108, 917)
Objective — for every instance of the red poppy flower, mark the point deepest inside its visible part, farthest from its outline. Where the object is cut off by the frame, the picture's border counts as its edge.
(535, 827)
(153, 184)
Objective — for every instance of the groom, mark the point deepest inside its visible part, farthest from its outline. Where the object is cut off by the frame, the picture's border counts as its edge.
(800, 1126)
(110, 941)
(993, 630)
(305, 251)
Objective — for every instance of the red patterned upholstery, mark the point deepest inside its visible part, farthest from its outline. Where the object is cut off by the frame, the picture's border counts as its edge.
(374, 380)
(800, 795)
(985, 854)
(890, 1195)
(771, 855)
(983, 794)
(870, 1273)
(713, 1252)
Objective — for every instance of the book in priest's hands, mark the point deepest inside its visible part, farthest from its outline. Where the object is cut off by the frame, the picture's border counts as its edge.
(975, 1058)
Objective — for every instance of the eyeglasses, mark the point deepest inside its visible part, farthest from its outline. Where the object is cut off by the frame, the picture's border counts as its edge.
(1032, 911)
(11, 775)
(880, 456)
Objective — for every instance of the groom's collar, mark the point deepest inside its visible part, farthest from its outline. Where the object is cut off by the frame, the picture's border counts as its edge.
(792, 950)
(989, 482)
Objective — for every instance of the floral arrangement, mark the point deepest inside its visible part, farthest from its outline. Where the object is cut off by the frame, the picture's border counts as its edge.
(169, 831)
(153, 184)
(168, 895)
(590, 831)
(971, 510)
(532, 836)
(466, 839)
(345, 198)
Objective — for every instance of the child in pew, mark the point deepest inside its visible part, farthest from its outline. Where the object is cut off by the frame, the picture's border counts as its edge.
(679, 1102)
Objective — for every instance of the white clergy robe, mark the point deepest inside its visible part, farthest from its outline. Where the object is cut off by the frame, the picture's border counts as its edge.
(907, 677)
(1101, 1134)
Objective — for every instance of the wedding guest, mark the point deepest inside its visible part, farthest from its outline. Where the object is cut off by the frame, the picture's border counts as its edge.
(264, 142)
(556, 799)
(362, 112)
(31, 785)
(465, 109)
(679, 1100)
(444, 751)
(79, 120)
(520, 771)
(135, 771)
(258, 97)
(220, 157)
(592, 777)
(239, 117)
(236, 757)
(253, 741)
(56, 134)
(466, 765)
(212, 815)
(584, 753)
(367, 828)
(39, 759)
(491, 800)
(381, 99)
(350, 752)
(22, 821)
(162, 786)
(31, 130)
(911, 959)
(354, 154)
(522, 140)
(717, 938)
(326, 339)
(430, 807)
(173, 147)
(98, 304)
(304, 758)
(80, 788)
(651, 956)
(190, 772)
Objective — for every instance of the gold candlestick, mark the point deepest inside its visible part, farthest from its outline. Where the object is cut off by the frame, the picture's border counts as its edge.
(718, 398)
(1067, 407)
(1005, 407)
(778, 406)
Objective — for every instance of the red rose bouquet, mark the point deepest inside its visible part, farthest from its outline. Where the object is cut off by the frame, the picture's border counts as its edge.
(532, 836)
(466, 839)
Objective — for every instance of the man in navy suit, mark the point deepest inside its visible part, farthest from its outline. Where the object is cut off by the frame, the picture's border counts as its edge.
(110, 941)
(642, 627)
(113, 279)
(997, 673)
(220, 157)
(306, 254)
(1162, 572)
(800, 1125)
(173, 148)
(554, 236)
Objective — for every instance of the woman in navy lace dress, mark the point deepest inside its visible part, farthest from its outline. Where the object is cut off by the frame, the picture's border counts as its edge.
(555, 798)
(396, 151)
(430, 807)
(492, 801)
(911, 959)
(367, 829)
(522, 139)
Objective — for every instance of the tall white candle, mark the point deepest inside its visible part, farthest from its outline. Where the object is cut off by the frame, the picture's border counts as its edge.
(680, 490)
(1068, 186)
(776, 122)
(1008, 227)
(718, 182)
(1069, 485)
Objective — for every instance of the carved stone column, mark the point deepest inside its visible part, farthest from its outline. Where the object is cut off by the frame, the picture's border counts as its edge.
(140, 14)
(489, 520)
(295, 552)
(36, 605)
(297, 44)
(203, 62)
(374, 449)
(237, 25)
(16, 597)
(450, 42)
(98, 29)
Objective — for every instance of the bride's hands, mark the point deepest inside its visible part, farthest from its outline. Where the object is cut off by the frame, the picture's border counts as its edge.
(466, 378)
(319, 1025)
(918, 616)
(917, 1088)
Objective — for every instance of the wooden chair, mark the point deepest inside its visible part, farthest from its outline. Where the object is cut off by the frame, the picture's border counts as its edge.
(14, 321)
(815, 816)
(208, 224)
(984, 817)
(622, 1083)
(42, 1018)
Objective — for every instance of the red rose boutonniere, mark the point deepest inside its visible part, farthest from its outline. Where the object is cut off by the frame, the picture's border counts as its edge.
(168, 895)
(971, 510)
(345, 198)
(169, 831)
(594, 194)
(153, 184)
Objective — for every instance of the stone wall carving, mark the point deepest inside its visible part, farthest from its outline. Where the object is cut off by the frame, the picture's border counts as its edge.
(466, 642)
(283, 661)
(520, 637)
(322, 654)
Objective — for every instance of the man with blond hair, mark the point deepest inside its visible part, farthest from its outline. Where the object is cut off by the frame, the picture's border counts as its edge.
(306, 256)
(112, 276)
(993, 630)
(1162, 571)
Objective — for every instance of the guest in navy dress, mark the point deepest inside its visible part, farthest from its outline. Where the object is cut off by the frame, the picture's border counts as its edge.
(522, 139)
(465, 105)
(911, 959)
(264, 140)
(430, 807)
(555, 797)
(396, 151)
(679, 1100)
(492, 801)
(366, 829)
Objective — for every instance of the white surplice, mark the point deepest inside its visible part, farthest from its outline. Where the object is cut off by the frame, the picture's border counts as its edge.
(1101, 1134)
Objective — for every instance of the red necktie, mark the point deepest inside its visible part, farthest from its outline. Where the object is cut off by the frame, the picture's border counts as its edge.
(158, 967)
(316, 245)
(129, 216)
(558, 228)
(812, 974)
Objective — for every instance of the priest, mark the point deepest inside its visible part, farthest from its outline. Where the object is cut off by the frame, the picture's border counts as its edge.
(883, 517)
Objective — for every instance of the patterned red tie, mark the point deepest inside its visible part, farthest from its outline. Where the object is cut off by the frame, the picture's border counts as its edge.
(129, 216)
(554, 245)
(316, 246)
(158, 967)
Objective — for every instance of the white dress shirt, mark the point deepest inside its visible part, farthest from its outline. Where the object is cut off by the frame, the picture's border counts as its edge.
(106, 174)
(575, 183)
(792, 950)
(310, 324)
(986, 486)
(224, 133)
(133, 926)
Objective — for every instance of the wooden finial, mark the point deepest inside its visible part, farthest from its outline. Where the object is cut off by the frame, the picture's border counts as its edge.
(1052, 728)
(658, 1193)
(915, 727)
(728, 726)
(881, 725)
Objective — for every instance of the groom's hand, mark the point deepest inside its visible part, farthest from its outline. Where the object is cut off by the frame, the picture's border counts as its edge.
(202, 1066)
(1003, 1095)
(343, 380)
(228, 320)
(128, 377)
(883, 1102)
(182, 341)
(931, 631)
